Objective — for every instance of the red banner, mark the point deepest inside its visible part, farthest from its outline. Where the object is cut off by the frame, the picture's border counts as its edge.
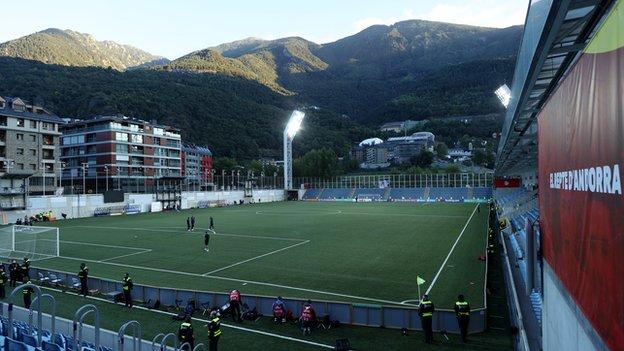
(507, 183)
(581, 155)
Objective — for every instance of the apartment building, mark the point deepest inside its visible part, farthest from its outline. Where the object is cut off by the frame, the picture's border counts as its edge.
(197, 165)
(29, 151)
(118, 152)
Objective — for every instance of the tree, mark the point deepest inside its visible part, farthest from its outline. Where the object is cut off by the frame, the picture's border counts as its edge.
(322, 163)
(441, 149)
(224, 164)
(423, 159)
(479, 157)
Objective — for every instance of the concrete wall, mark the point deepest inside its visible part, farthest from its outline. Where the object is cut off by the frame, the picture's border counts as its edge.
(564, 326)
(76, 206)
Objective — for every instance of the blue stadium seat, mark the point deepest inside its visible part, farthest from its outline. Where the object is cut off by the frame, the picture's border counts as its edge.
(48, 346)
(311, 193)
(335, 194)
(449, 193)
(370, 193)
(482, 193)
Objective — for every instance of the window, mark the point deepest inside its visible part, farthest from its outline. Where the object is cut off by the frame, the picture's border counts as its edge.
(32, 137)
(121, 136)
(33, 124)
(47, 126)
(19, 136)
(19, 151)
(32, 152)
(136, 138)
(32, 166)
(121, 148)
(71, 140)
(19, 165)
(20, 122)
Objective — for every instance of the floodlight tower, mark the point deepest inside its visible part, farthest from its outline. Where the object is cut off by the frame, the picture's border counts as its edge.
(289, 134)
(503, 93)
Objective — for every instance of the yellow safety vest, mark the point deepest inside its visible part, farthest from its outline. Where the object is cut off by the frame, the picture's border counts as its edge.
(216, 332)
(427, 304)
(462, 308)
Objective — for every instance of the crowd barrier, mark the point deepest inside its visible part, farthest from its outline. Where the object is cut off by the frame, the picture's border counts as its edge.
(372, 315)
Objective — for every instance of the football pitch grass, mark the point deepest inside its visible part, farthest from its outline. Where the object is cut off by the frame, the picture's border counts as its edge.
(352, 252)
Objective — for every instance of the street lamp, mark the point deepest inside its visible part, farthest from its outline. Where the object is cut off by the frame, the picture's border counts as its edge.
(84, 167)
(293, 126)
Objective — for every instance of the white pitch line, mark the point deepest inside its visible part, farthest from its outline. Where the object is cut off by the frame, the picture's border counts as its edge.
(105, 245)
(126, 255)
(182, 231)
(234, 280)
(255, 258)
(435, 278)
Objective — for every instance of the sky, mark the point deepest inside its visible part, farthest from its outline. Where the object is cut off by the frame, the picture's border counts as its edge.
(174, 28)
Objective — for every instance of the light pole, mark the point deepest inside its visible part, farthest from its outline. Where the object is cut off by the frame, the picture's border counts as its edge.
(293, 126)
(237, 179)
(84, 167)
(223, 179)
(106, 171)
(43, 170)
(61, 167)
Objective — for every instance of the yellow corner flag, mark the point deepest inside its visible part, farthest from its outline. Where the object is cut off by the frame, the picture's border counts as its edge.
(419, 280)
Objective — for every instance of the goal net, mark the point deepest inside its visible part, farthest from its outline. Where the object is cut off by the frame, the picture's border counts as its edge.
(36, 243)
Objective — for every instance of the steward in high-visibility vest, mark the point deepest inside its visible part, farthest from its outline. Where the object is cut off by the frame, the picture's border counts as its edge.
(425, 311)
(25, 269)
(214, 331)
(127, 290)
(3, 280)
(83, 275)
(462, 311)
(185, 333)
(27, 294)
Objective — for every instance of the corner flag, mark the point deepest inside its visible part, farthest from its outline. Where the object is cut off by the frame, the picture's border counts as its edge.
(419, 281)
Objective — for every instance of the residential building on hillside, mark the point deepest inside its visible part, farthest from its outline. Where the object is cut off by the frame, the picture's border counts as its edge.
(400, 126)
(197, 165)
(375, 153)
(118, 152)
(29, 151)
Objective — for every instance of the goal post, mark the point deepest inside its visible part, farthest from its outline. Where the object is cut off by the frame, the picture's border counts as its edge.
(34, 242)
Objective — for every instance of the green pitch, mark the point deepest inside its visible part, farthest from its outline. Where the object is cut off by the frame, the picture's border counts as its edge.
(356, 252)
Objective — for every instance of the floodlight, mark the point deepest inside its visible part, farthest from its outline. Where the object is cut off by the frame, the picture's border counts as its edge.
(294, 124)
(504, 94)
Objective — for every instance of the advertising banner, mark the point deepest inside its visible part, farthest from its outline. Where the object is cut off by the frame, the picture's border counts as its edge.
(581, 155)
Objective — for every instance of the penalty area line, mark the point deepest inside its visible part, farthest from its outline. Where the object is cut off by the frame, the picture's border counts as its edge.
(255, 258)
(435, 278)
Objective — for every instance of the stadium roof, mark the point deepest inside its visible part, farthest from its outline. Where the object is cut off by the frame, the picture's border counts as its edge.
(555, 32)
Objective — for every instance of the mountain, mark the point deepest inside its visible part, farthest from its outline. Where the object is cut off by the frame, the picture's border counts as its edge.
(365, 74)
(69, 48)
(235, 97)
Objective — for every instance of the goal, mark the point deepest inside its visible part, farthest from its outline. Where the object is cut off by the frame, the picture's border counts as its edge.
(36, 243)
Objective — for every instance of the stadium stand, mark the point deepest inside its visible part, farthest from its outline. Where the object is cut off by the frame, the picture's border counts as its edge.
(312, 194)
(449, 193)
(399, 194)
(482, 193)
(373, 194)
(407, 194)
(335, 194)
(518, 205)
